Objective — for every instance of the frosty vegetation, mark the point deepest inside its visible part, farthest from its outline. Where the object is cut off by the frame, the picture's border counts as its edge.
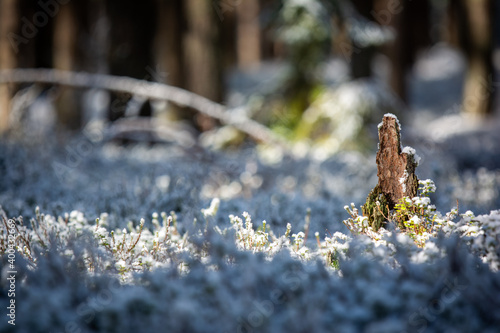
(137, 239)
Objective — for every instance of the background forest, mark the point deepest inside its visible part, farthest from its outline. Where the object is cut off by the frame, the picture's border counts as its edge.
(218, 49)
(199, 165)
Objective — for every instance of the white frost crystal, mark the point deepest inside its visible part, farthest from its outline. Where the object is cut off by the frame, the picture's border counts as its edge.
(411, 151)
(212, 210)
(403, 179)
(391, 116)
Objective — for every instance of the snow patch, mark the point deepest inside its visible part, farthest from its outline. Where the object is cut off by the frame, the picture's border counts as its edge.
(403, 179)
(411, 151)
(391, 115)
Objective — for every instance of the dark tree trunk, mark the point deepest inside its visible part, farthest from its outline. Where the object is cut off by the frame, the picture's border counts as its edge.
(362, 57)
(410, 21)
(70, 23)
(169, 41)
(203, 69)
(131, 46)
(169, 53)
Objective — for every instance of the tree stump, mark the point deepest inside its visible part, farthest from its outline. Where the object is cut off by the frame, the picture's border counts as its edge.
(395, 171)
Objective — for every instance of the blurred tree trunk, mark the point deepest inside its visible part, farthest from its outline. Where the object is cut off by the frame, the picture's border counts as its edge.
(410, 20)
(472, 28)
(168, 49)
(268, 41)
(362, 57)
(169, 40)
(34, 43)
(228, 36)
(203, 69)
(9, 21)
(67, 55)
(388, 14)
(94, 43)
(248, 33)
(131, 47)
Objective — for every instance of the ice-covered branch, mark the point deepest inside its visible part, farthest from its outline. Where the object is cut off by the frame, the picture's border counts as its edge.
(151, 90)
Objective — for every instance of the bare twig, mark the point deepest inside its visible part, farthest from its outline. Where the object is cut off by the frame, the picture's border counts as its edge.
(151, 90)
(132, 246)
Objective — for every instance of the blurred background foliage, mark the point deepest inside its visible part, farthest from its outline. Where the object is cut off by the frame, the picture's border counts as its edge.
(318, 72)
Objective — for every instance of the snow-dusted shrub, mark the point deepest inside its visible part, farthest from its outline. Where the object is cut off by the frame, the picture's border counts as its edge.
(418, 219)
(111, 264)
(231, 290)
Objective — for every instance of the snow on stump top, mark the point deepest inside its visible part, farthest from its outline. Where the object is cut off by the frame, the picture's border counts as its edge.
(395, 171)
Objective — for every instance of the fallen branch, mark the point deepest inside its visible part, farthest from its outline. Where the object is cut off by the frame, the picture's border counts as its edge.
(151, 90)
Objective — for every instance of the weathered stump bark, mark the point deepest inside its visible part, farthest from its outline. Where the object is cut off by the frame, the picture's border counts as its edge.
(395, 171)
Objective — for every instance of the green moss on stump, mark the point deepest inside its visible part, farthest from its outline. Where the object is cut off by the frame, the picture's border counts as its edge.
(377, 215)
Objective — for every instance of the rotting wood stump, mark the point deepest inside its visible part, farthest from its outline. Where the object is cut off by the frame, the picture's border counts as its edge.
(395, 171)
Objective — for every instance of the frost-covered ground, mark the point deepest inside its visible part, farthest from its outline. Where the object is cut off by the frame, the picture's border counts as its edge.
(130, 183)
(194, 270)
(208, 282)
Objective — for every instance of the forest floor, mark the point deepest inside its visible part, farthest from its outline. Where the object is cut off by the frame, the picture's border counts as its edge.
(203, 270)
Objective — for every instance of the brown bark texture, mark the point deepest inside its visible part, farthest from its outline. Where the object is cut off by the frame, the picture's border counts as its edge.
(395, 171)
